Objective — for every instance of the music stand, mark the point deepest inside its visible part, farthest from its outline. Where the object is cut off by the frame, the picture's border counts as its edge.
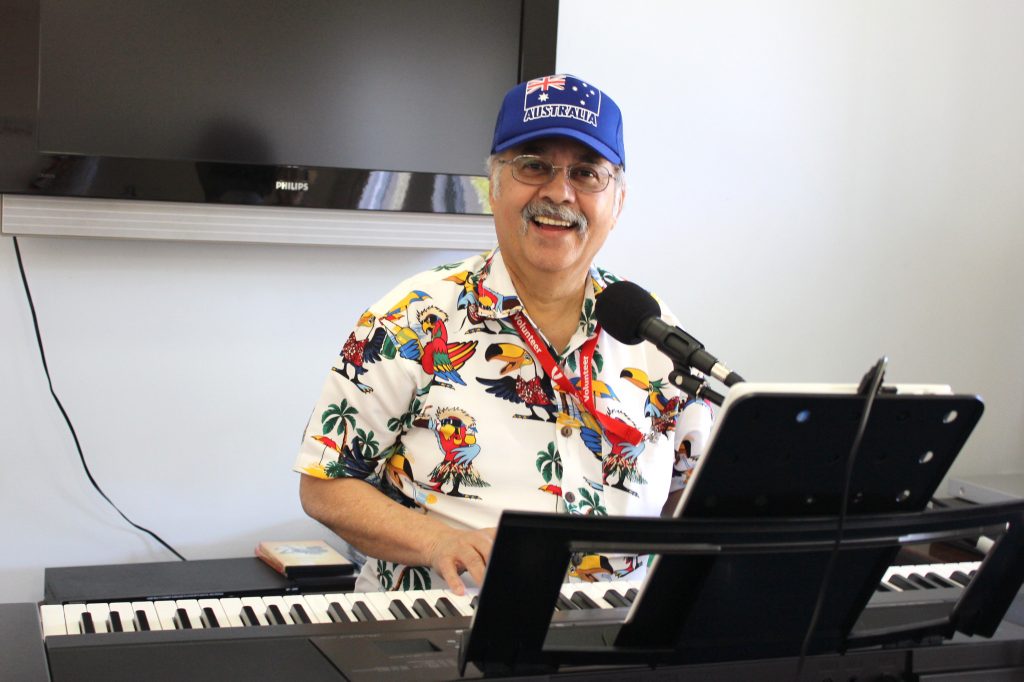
(729, 588)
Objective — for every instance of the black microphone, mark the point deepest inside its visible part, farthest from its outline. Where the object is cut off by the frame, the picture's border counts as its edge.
(631, 315)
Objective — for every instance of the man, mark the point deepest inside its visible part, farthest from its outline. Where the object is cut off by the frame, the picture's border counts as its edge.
(486, 385)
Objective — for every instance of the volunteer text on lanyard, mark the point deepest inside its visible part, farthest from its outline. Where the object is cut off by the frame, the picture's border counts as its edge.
(617, 430)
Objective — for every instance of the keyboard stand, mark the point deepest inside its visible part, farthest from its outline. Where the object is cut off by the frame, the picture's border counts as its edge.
(727, 589)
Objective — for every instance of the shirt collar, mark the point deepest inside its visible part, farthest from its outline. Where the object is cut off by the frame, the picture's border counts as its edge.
(497, 298)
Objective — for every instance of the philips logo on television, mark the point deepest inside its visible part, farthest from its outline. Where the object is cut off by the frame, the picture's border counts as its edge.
(292, 186)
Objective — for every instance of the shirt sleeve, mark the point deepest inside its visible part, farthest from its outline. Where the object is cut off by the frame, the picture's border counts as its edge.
(363, 406)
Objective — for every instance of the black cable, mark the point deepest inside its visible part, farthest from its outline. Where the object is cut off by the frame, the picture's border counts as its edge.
(870, 384)
(67, 419)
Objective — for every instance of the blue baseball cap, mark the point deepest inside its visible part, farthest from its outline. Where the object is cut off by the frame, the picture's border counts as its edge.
(563, 105)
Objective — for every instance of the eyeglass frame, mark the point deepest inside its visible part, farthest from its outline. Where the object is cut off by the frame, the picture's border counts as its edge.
(606, 174)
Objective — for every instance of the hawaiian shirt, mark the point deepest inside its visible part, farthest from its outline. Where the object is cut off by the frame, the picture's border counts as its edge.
(436, 400)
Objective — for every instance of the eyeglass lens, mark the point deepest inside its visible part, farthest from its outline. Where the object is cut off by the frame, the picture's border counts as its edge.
(586, 177)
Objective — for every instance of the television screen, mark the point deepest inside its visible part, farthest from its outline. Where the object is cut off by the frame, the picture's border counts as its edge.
(219, 88)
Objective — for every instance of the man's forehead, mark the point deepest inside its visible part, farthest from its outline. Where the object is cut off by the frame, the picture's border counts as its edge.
(550, 145)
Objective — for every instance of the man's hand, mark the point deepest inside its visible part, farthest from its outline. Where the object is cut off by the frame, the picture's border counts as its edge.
(455, 551)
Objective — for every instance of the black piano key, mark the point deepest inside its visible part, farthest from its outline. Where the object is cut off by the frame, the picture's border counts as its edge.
(209, 618)
(446, 608)
(942, 580)
(114, 624)
(181, 620)
(921, 581)
(299, 614)
(363, 612)
(583, 600)
(274, 615)
(423, 610)
(474, 601)
(902, 583)
(884, 587)
(85, 624)
(248, 616)
(337, 614)
(399, 610)
(960, 577)
(141, 621)
(563, 604)
(631, 594)
(615, 599)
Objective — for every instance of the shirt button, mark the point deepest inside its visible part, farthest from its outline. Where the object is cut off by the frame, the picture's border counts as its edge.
(566, 431)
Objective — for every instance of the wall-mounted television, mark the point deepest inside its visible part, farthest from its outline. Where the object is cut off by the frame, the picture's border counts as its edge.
(320, 104)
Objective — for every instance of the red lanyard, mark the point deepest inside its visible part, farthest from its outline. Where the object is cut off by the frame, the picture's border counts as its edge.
(620, 430)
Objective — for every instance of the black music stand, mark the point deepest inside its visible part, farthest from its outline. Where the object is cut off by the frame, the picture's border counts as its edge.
(728, 588)
(732, 610)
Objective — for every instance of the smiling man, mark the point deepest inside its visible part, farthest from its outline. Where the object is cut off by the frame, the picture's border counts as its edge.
(486, 384)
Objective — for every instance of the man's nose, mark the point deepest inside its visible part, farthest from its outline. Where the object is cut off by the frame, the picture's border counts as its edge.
(558, 189)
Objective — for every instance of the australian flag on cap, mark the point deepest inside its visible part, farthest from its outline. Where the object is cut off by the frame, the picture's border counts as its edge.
(560, 105)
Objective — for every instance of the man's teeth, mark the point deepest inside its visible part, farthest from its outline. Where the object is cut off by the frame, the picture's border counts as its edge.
(545, 220)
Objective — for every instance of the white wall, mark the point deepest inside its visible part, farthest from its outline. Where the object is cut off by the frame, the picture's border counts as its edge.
(811, 185)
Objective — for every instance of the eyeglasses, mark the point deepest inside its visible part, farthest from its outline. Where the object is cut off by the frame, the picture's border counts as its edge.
(584, 177)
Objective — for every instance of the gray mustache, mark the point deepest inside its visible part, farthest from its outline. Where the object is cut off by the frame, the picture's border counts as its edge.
(559, 212)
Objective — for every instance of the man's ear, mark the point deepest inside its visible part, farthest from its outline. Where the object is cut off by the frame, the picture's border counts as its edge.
(621, 201)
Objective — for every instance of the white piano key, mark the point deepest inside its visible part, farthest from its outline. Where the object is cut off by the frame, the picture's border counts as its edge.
(316, 607)
(52, 616)
(596, 592)
(124, 610)
(461, 602)
(379, 603)
(258, 607)
(232, 608)
(73, 617)
(217, 606)
(149, 609)
(100, 615)
(165, 611)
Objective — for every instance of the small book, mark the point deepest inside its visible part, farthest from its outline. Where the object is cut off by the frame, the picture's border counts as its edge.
(304, 558)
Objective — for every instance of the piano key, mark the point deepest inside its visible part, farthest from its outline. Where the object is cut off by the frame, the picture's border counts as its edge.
(250, 618)
(275, 616)
(226, 610)
(942, 580)
(364, 612)
(114, 624)
(149, 615)
(562, 603)
(85, 624)
(343, 603)
(209, 618)
(920, 581)
(299, 604)
(256, 610)
(380, 603)
(463, 603)
(181, 619)
(165, 614)
(581, 599)
(276, 611)
(100, 615)
(316, 607)
(614, 598)
(195, 613)
(901, 583)
(399, 610)
(298, 614)
(125, 614)
(423, 609)
(52, 617)
(631, 594)
(596, 592)
(337, 613)
(960, 577)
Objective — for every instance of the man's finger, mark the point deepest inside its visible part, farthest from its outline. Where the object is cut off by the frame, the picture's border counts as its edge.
(450, 573)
